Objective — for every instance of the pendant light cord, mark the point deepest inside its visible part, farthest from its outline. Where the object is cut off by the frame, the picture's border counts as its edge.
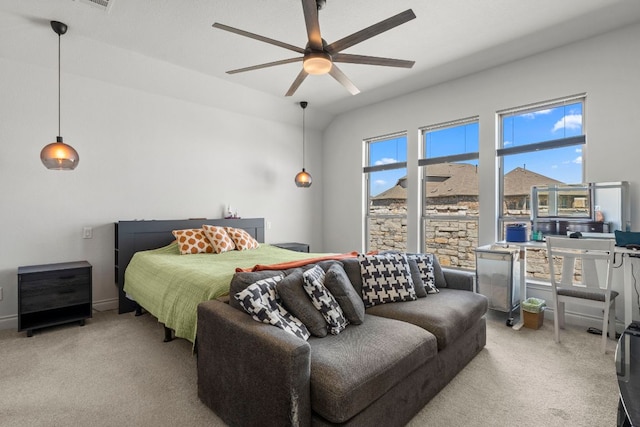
(59, 134)
(303, 136)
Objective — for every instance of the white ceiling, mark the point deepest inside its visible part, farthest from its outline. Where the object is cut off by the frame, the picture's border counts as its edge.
(448, 39)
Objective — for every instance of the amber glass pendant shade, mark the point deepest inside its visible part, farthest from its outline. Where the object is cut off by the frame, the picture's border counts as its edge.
(303, 179)
(59, 156)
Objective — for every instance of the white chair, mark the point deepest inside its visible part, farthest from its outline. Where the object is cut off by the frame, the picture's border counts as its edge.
(594, 289)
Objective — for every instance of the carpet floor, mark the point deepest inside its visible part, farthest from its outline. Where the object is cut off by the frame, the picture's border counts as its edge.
(117, 371)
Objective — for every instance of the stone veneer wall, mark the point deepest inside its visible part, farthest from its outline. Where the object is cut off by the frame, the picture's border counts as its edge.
(452, 240)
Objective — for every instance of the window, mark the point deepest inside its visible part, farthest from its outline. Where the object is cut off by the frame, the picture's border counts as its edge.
(539, 145)
(450, 191)
(385, 174)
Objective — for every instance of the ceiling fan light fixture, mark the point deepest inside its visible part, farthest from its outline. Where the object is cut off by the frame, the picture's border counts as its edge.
(317, 63)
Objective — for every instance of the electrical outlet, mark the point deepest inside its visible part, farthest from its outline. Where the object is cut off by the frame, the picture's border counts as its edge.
(268, 225)
(87, 233)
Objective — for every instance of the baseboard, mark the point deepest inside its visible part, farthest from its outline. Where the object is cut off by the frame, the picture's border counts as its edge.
(11, 322)
(106, 304)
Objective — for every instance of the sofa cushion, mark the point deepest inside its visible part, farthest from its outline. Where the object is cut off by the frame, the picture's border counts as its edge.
(338, 284)
(240, 281)
(447, 315)
(386, 278)
(295, 299)
(323, 300)
(261, 301)
(351, 370)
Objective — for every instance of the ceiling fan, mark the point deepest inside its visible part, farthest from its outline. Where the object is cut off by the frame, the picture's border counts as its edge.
(320, 57)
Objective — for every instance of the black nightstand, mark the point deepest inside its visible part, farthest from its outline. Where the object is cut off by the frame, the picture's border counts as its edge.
(292, 246)
(53, 294)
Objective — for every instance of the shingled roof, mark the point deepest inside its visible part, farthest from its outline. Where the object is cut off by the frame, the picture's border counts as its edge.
(461, 179)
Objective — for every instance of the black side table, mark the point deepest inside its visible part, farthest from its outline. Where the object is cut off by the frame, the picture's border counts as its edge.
(292, 246)
(628, 370)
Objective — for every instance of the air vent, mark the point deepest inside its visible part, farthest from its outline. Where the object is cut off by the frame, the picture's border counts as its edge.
(100, 4)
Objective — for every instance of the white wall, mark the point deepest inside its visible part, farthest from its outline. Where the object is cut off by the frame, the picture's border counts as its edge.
(606, 68)
(143, 155)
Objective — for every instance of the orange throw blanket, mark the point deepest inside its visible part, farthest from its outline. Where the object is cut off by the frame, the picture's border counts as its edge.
(300, 263)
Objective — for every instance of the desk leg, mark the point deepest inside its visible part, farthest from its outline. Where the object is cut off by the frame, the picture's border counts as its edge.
(523, 287)
(628, 289)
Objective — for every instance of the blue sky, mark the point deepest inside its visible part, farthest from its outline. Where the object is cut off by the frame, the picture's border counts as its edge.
(563, 164)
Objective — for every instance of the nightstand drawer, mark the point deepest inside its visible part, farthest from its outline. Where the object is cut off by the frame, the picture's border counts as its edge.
(45, 291)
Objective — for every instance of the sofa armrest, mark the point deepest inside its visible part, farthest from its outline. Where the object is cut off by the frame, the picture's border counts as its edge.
(251, 373)
(459, 279)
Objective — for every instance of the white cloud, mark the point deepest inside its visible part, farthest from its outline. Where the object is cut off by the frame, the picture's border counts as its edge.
(380, 182)
(536, 113)
(579, 150)
(385, 161)
(577, 160)
(507, 143)
(570, 121)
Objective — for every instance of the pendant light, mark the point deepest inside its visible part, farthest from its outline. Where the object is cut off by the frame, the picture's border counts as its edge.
(303, 179)
(59, 155)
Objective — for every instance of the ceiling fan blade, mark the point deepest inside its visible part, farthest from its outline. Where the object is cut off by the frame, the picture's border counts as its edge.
(372, 60)
(258, 37)
(337, 74)
(268, 64)
(310, 9)
(297, 82)
(371, 31)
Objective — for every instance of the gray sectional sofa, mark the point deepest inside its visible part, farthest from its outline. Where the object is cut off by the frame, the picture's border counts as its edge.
(380, 372)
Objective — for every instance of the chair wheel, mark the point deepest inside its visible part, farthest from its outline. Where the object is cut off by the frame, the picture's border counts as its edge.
(510, 321)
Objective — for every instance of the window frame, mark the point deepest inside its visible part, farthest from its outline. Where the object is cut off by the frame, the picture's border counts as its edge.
(367, 170)
(424, 162)
(545, 145)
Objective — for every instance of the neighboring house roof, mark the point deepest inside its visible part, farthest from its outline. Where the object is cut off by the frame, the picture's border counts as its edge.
(461, 179)
(519, 181)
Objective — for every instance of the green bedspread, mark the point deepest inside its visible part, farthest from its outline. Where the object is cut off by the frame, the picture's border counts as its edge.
(170, 286)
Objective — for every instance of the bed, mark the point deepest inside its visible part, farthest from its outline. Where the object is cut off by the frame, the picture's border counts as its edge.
(152, 275)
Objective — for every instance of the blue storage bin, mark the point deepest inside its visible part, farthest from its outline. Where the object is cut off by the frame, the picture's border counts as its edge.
(517, 233)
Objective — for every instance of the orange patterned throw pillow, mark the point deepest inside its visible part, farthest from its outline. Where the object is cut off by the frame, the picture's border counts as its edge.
(192, 241)
(219, 238)
(242, 239)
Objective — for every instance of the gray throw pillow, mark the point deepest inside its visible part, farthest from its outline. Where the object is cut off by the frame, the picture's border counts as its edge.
(295, 299)
(426, 276)
(242, 280)
(421, 292)
(338, 283)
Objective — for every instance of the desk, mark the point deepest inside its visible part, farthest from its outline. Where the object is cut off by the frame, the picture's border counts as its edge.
(627, 293)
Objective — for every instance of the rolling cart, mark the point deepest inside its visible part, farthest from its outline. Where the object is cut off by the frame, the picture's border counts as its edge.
(498, 278)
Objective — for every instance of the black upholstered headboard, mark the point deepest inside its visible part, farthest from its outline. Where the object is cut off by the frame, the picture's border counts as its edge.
(135, 236)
